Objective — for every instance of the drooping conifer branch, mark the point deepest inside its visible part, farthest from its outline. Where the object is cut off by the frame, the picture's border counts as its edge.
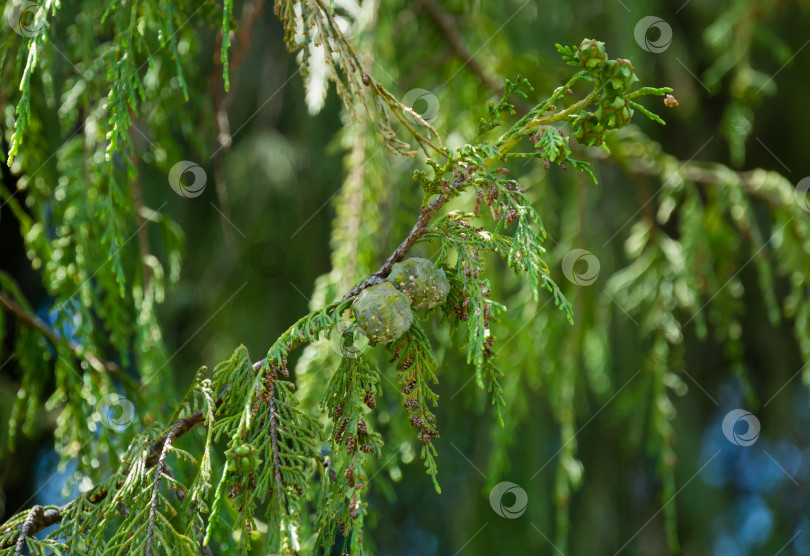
(159, 448)
(283, 434)
(75, 347)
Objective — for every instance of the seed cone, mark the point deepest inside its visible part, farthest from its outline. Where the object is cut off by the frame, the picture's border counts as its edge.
(425, 286)
(382, 312)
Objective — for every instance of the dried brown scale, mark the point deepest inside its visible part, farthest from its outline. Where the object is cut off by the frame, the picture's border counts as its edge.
(362, 427)
(369, 400)
(457, 310)
(353, 508)
(417, 422)
(235, 490)
(366, 448)
(341, 429)
(408, 388)
(465, 224)
(407, 363)
(351, 443)
(412, 404)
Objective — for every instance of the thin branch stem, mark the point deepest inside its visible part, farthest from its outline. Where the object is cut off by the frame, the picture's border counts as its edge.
(221, 104)
(444, 21)
(274, 441)
(161, 467)
(75, 347)
(419, 229)
(26, 530)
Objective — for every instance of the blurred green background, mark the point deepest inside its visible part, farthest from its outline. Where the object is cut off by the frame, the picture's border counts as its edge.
(613, 425)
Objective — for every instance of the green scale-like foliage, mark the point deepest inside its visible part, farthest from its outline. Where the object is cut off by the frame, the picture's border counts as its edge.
(350, 396)
(160, 496)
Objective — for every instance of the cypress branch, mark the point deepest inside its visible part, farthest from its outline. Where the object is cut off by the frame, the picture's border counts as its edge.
(255, 409)
(159, 448)
(75, 347)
